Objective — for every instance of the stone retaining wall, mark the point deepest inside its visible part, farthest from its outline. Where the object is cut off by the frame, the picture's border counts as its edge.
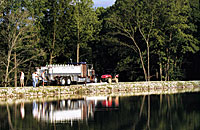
(120, 89)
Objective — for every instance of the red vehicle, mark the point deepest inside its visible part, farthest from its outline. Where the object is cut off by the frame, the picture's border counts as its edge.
(108, 78)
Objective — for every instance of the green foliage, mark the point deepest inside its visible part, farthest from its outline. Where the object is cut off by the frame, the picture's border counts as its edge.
(83, 26)
(171, 35)
(176, 37)
(105, 35)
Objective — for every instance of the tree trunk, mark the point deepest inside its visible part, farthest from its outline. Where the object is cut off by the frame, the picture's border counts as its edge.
(78, 43)
(15, 69)
(78, 48)
(29, 73)
(167, 65)
(141, 58)
(167, 69)
(168, 58)
(146, 38)
(51, 57)
(161, 71)
(157, 77)
(166, 72)
(148, 61)
(7, 68)
(53, 46)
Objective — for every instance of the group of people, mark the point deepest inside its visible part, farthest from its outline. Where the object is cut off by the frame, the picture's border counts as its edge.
(35, 78)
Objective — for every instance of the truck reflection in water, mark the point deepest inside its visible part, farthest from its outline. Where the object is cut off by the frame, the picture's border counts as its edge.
(73, 109)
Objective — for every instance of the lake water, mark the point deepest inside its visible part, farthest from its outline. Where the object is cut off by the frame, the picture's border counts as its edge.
(155, 112)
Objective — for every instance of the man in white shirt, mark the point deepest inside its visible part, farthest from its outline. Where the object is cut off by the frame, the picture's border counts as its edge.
(34, 77)
(22, 79)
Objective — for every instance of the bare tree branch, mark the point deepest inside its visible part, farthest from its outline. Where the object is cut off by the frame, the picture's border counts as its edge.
(24, 61)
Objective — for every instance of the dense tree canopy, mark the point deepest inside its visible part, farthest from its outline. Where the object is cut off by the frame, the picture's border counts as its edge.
(140, 40)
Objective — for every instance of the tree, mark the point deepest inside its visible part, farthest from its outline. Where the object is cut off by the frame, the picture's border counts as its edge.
(20, 37)
(50, 28)
(55, 31)
(131, 18)
(174, 37)
(82, 25)
(163, 26)
(2, 5)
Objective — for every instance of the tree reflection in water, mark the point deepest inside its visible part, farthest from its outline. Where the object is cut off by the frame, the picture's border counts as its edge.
(178, 111)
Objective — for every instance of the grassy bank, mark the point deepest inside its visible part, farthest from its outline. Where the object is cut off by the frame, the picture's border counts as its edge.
(78, 91)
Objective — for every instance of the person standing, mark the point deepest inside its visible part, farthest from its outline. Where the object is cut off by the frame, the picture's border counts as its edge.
(43, 78)
(22, 79)
(34, 78)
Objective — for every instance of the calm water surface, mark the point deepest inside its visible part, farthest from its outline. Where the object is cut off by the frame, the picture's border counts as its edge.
(155, 112)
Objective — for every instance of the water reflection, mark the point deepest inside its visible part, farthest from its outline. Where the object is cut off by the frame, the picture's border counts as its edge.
(72, 109)
(22, 110)
(161, 112)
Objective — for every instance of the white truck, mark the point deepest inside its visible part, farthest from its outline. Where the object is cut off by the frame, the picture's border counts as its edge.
(67, 73)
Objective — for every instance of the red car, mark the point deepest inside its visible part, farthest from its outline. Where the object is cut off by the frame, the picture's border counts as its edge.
(108, 78)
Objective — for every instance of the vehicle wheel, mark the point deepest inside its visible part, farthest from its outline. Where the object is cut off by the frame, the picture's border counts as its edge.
(68, 81)
(62, 81)
(109, 80)
(116, 80)
(95, 80)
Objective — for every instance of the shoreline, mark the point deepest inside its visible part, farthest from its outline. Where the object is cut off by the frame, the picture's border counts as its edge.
(18, 94)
